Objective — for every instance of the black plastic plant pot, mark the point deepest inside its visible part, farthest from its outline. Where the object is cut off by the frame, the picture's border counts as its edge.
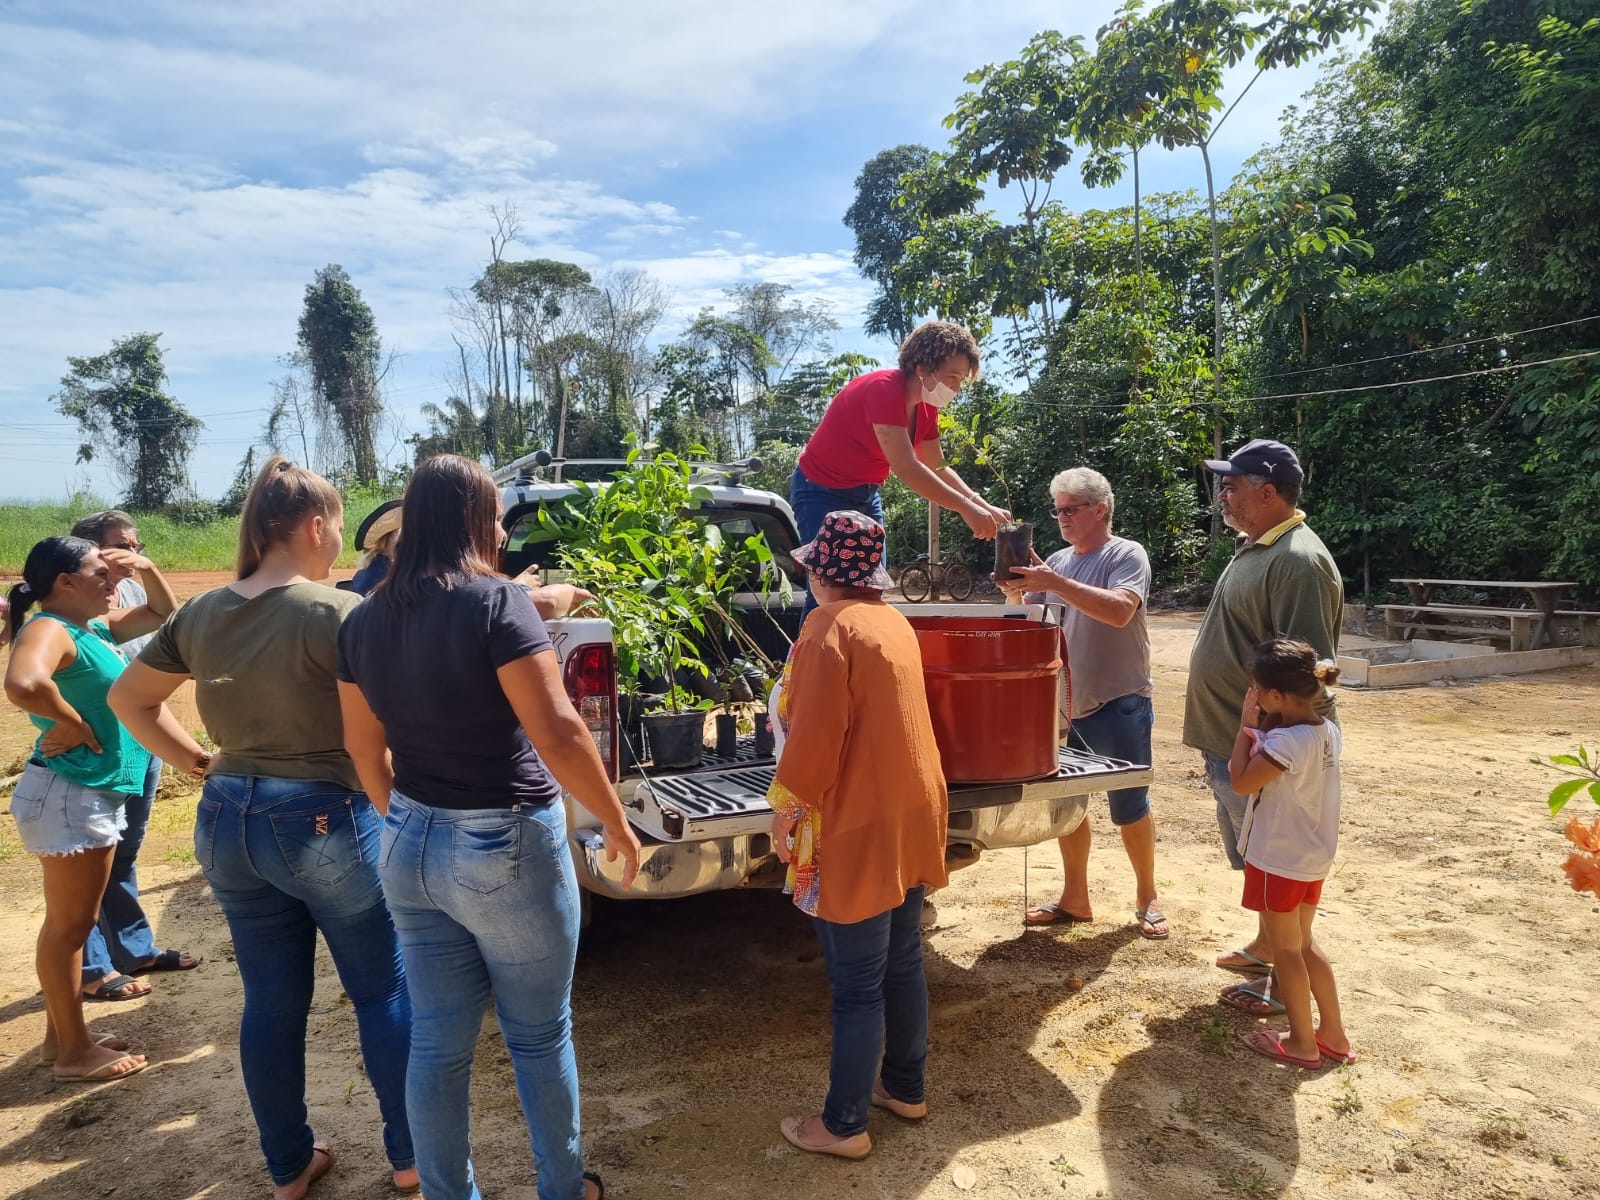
(676, 739)
(764, 738)
(1013, 547)
(629, 711)
(727, 734)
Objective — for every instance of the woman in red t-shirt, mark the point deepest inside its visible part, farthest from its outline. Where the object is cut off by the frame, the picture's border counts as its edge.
(888, 421)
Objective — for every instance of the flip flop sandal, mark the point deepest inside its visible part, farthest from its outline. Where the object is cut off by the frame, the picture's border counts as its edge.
(1057, 916)
(1347, 1059)
(1258, 1004)
(599, 1184)
(1153, 916)
(104, 1073)
(169, 960)
(1250, 966)
(115, 987)
(1265, 1042)
(102, 1039)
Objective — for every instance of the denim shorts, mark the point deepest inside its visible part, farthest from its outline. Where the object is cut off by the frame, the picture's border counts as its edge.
(1120, 728)
(56, 816)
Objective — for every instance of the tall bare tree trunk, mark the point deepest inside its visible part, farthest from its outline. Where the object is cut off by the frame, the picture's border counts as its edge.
(1138, 245)
(1216, 341)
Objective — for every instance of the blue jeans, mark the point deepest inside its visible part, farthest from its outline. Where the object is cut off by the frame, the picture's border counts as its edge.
(1230, 807)
(880, 1012)
(1120, 728)
(285, 858)
(486, 900)
(122, 939)
(812, 502)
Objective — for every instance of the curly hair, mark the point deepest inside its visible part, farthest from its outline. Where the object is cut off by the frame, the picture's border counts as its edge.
(934, 341)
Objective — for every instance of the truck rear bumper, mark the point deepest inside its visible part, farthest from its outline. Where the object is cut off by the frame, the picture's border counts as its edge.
(671, 869)
(1025, 823)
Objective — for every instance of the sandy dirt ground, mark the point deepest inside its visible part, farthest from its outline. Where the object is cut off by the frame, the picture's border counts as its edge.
(1090, 1063)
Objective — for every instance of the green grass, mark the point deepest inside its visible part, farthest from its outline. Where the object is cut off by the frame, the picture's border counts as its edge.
(173, 545)
(1253, 1184)
(1348, 1102)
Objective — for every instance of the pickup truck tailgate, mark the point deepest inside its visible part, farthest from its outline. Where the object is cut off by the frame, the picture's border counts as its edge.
(688, 808)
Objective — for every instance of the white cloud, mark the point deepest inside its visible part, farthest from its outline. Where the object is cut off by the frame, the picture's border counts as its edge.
(185, 166)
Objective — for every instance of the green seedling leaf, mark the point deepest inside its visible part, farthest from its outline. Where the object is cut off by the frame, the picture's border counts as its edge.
(1564, 791)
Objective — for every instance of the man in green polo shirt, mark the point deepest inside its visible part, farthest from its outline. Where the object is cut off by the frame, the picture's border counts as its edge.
(1282, 582)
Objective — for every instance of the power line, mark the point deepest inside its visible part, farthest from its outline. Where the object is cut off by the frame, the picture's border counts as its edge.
(1368, 387)
(151, 422)
(1373, 387)
(1497, 337)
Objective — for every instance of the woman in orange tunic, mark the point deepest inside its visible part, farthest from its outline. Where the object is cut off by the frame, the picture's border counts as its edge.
(860, 789)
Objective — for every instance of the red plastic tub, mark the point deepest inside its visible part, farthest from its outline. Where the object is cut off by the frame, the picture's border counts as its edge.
(993, 691)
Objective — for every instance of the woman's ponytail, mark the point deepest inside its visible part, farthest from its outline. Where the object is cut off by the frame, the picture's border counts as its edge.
(1291, 666)
(280, 500)
(52, 557)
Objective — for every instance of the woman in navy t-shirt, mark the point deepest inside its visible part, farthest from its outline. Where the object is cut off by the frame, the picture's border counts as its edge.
(460, 726)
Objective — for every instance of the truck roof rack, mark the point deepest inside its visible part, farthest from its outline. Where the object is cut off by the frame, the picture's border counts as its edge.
(525, 468)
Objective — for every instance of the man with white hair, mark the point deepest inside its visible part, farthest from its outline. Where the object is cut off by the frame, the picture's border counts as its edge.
(1103, 581)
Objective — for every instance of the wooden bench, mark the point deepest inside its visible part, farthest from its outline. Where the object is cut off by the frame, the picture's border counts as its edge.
(1588, 625)
(1402, 621)
(1544, 596)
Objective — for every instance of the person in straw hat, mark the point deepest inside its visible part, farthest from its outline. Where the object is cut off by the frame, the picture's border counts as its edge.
(376, 540)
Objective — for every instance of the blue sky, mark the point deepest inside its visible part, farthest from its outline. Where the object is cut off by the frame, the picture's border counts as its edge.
(185, 167)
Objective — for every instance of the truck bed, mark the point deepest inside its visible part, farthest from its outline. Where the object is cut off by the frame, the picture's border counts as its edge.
(730, 800)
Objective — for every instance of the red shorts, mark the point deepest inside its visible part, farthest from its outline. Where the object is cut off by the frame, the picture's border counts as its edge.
(1265, 892)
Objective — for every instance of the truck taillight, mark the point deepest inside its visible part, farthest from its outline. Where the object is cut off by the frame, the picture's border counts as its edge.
(590, 675)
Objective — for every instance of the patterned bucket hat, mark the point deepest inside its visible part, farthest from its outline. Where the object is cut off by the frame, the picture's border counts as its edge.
(847, 550)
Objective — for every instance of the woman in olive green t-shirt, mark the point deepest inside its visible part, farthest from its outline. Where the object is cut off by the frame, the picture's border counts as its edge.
(284, 834)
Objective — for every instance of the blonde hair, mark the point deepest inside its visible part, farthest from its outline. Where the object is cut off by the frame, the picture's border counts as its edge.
(281, 499)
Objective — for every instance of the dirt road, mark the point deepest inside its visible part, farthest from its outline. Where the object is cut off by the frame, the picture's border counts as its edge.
(1072, 1065)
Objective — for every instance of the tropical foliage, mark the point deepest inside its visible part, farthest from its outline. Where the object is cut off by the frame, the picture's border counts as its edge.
(1402, 287)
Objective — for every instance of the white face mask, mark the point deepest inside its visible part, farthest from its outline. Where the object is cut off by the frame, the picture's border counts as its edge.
(939, 394)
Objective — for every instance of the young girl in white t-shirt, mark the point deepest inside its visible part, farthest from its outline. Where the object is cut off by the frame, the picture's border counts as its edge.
(1290, 760)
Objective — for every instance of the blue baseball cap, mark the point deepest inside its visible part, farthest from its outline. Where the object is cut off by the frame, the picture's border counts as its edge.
(1272, 460)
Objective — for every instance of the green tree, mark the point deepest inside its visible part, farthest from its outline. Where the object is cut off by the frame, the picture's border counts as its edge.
(749, 348)
(1297, 254)
(339, 338)
(882, 226)
(120, 404)
(689, 395)
(1124, 101)
(454, 427)
(1016, 127)
(1195, 40)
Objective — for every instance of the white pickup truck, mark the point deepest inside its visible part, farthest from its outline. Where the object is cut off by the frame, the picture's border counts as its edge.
(706, 829)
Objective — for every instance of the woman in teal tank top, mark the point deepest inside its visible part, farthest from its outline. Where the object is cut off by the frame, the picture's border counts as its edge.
(68, 803)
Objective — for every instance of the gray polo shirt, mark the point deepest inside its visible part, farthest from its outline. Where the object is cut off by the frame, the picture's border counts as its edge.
(1105, 663)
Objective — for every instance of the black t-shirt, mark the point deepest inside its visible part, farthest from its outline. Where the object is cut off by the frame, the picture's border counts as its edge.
(429, 674)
